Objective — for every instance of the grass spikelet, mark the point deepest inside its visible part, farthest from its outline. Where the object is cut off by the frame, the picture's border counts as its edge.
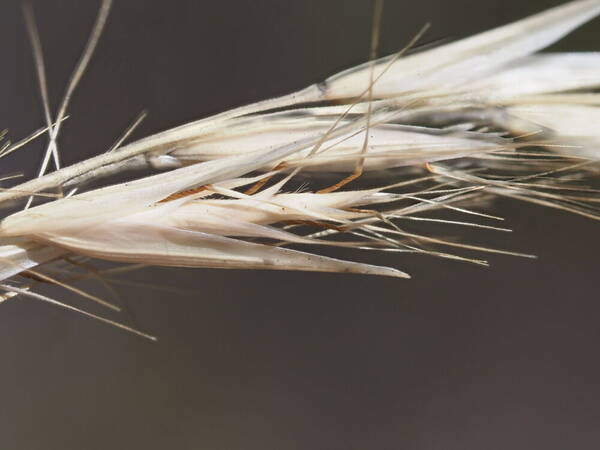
(436, 130)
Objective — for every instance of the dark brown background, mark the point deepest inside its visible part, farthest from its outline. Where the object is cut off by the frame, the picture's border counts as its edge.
(458, 358)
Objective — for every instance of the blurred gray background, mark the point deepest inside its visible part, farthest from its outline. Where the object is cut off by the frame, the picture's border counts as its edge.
(460, 357)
